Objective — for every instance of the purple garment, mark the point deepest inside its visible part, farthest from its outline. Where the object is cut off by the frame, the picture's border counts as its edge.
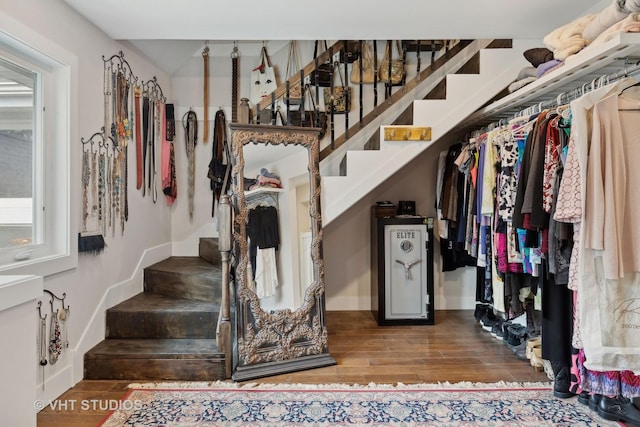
(479, 182)
(546, 66)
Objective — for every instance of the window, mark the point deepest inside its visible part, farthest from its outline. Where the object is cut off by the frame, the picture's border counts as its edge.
(35, 162)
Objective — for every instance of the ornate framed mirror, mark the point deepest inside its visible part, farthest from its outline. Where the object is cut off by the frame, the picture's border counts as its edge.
(268, 340)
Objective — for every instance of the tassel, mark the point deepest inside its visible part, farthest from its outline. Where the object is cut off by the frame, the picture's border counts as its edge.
(91, 243)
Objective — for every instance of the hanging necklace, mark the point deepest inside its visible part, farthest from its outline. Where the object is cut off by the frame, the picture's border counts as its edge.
(94, 183)
(42, 343)
(101, 178)
(86, 176)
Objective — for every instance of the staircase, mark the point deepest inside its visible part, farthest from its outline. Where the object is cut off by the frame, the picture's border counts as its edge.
(167, 332)
(465, 93)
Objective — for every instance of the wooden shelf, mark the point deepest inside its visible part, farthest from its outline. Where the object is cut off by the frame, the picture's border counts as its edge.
(262, 190)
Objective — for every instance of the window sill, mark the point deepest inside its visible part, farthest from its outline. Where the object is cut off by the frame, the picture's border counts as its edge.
(19, 289)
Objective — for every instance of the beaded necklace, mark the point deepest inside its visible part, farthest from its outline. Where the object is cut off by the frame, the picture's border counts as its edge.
(86, 181)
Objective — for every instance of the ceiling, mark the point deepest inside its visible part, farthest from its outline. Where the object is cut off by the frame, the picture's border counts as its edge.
(177, 29)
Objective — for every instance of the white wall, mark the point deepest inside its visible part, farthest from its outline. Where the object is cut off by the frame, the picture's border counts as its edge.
(347, 242)
(98, 281)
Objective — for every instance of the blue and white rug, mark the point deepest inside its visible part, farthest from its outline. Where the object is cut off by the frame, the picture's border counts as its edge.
(463, 404)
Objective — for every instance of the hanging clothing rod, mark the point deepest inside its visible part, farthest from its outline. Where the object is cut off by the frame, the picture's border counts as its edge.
(630, 68)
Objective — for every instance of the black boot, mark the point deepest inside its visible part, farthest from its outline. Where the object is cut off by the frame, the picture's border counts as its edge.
(594, 401)
(561, 381)
(619, 409)
(534, 318)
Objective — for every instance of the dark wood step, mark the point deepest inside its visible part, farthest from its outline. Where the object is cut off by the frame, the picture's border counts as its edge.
(149, 315)
(151, 359)
(208, 250)
(185, 277)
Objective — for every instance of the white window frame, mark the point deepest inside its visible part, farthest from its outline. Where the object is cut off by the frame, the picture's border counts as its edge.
(53, 165)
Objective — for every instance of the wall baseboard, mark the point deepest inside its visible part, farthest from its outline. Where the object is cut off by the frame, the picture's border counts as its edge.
(95, 330)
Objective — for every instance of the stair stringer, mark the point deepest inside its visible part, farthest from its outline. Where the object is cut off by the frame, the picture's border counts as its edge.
(331, 164)
(465, 94)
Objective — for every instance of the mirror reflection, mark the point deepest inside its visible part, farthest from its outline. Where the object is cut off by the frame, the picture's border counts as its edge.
(276, 190)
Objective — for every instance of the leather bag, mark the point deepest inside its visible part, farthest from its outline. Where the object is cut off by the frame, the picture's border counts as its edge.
(309, 116)
(321, 76)
(350, 52)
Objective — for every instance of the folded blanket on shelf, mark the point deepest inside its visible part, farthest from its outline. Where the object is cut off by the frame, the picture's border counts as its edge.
(630, 5)
(630, 24)
(612, 14)
(527, 72)
(547, 66)
(567, 40)
(538, 55)
(520, 83)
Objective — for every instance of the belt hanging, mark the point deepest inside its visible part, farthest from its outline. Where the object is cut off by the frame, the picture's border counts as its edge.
(234, 83)
(145, 139)
(137, 92)
(205, 57)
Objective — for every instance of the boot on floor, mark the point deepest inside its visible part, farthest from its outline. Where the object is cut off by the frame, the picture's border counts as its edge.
(561, 380)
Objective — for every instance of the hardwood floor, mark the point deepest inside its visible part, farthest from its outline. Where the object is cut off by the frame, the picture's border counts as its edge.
(454, 349)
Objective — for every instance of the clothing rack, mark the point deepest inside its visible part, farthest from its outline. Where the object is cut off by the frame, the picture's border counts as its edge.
(631, 67)
(590, 65)
(261, 197)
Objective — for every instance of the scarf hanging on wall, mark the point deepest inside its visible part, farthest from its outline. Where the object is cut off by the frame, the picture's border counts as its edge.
(55, 347)
(169, 186)
(190, 125)
(218, 173)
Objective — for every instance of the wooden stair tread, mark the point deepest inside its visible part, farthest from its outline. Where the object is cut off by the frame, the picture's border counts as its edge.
(155, 349)
(185, 264)
(148, 301)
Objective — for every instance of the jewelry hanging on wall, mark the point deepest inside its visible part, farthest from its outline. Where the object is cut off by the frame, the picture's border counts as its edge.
(42, 340)
(105, 172)
(55, 347)
(90, 238)
(63, 316)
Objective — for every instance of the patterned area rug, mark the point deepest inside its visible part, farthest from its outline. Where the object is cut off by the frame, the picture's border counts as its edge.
(462, 404)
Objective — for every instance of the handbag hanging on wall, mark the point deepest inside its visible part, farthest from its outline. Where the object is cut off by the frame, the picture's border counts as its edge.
(263, 78)
(310, 116)
(293, 67)
(338, 101)
(321, 76)
(350, 52)
(366, 63)
(391, 70)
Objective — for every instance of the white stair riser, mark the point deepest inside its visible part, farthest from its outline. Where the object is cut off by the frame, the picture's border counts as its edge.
(465, 94)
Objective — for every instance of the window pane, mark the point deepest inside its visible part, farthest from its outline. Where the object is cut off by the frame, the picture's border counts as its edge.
(17, 148)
